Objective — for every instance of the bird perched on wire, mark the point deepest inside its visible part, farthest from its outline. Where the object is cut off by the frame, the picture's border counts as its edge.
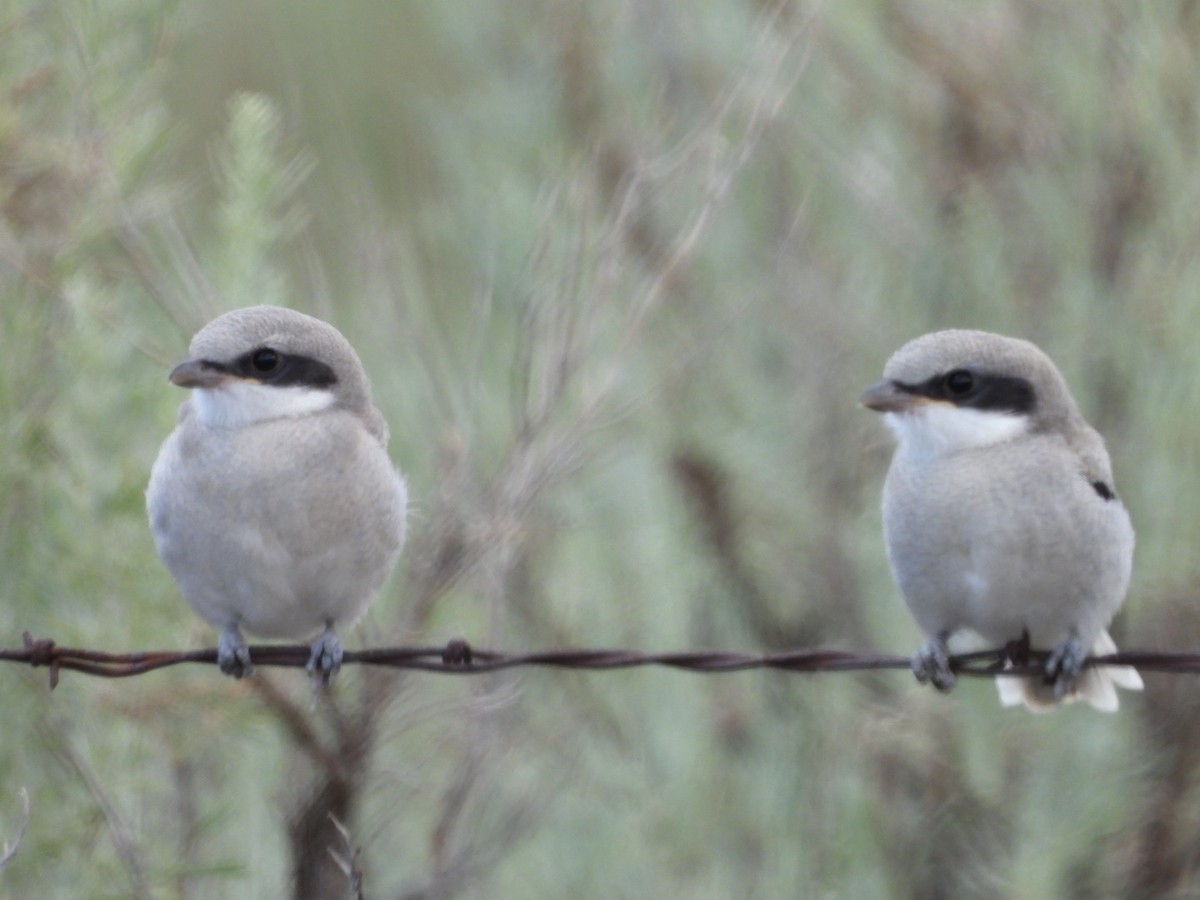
(1000, 515)
(273, 503)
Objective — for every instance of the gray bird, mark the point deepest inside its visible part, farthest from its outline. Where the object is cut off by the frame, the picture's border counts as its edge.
(1000, 515)
(273, 503)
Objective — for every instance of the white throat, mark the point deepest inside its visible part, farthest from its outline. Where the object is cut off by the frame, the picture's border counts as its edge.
(236, 403)
(936, 429)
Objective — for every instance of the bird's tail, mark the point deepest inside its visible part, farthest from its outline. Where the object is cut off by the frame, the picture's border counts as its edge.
(1095, 684)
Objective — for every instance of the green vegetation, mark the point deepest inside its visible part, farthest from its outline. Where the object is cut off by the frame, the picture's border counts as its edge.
(619, 273)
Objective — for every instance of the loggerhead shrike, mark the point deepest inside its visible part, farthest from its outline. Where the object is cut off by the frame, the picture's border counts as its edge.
(273, 503)
(1000, 515)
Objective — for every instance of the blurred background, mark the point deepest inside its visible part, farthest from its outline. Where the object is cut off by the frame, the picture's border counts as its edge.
(619, 271)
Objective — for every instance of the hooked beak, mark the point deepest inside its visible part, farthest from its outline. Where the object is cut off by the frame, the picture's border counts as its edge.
(888, 396)
(198, 373)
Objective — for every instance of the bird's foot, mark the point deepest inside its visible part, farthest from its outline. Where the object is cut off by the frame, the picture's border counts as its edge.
(932, 664)
(326, 656)
(1064, 664)
(233, 656)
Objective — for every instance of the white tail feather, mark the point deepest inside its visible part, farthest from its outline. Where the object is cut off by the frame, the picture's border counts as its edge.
(1097, 685)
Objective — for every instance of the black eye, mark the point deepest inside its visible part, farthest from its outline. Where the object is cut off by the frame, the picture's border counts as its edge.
(959, 382)
(264, 361)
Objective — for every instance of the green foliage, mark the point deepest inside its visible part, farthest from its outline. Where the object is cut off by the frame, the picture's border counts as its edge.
(619, 273)
(253, 219)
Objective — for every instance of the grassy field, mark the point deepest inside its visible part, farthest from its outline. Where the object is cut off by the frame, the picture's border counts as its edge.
(619, 272)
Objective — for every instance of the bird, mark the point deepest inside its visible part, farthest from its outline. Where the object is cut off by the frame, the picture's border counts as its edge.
(1000, 515)
(273, 503)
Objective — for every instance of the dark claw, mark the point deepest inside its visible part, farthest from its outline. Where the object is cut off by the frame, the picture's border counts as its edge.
(1064, 665)
(932, 664)
(326, 656)
(233, 656)
(1016, 652)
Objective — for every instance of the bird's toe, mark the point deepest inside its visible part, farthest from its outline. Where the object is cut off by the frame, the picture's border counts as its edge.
(233, 656)
(326, 656)
(931, 664)
(1064, 664)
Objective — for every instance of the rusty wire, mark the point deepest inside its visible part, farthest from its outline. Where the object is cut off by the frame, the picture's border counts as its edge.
(457, 657)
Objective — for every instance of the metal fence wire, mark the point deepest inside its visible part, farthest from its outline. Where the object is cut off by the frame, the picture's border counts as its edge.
(458, 657)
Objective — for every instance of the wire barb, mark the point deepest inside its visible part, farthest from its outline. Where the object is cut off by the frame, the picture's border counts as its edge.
(458, 657)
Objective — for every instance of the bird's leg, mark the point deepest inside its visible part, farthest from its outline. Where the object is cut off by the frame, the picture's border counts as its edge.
(233, 656)
(326, 656)
(1064, 664)
(932, 663)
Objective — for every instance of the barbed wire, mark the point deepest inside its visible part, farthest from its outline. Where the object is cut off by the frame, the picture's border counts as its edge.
(457, 657)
